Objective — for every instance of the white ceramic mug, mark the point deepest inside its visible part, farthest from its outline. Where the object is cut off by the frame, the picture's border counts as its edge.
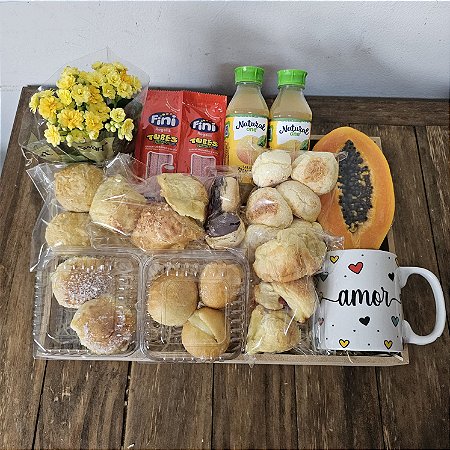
(360, 307)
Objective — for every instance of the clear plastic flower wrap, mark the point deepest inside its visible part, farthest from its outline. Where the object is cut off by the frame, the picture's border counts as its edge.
(89, 110)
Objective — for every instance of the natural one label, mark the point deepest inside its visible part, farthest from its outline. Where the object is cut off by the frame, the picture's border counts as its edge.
(289, 134)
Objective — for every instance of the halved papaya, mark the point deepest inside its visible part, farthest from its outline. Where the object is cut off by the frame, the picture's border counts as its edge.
(361, 208)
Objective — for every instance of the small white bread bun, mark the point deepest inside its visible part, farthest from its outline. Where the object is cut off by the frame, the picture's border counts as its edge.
(172, 298)
(303, 225)
(68, 229)
(117, 205)
(105, 325)
(271, 168)
(206, 334)
(317, 170)
(271, 331)
(220, 284)
(257, 235)
(300, 295)
(266, 206)
(76, 185)
(303, 202)
(81, 278)
(266, 296)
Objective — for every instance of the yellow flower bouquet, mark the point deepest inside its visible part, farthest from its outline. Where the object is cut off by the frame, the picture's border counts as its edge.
(86, 114)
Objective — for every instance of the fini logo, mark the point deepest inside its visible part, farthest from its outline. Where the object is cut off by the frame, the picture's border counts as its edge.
(203, 125)
(164, 119)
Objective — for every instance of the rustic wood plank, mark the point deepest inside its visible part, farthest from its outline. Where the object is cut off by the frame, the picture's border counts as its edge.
(20, 376)
(414, 399)
(82, 405)
(169, 406)
(434, 158)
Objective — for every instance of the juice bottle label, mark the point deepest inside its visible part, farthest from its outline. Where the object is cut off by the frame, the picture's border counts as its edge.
(289, 134)
(245, 139)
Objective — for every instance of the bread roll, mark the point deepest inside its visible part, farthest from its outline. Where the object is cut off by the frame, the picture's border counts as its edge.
(220, 284)
(172, 298)
(228, 223)
(225, 196)
(68, 229)
(206, 334)
(80, 279)
(315, 227)
(271, 332)
(160, 227)
(271, 168)
(317, 170)
(303, 202)
(266, 206)
(105, 325)
(266, 296)
(186, 195)
(75, 186)
(117, 205)
(300, 295)
(255, 236)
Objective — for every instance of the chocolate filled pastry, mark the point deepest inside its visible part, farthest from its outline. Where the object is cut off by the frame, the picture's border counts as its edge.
(105, 325)
(224, 230)
(172, 298)
(186, 195)
(220, 284)
(76, 185)
(224, 196)
(81, 278)
(159, 227)
(68, 229)
(271, 331)
(206, 334)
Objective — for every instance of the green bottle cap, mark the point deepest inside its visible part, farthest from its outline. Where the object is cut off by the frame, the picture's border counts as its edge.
(249, 74)
(292, 76)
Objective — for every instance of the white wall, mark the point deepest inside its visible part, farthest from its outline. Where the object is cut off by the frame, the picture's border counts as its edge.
(357, 49)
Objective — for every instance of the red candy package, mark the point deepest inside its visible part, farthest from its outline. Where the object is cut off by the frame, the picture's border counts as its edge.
(181, 131)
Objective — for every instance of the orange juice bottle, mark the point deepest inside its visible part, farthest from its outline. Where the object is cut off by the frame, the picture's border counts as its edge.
(290, 115)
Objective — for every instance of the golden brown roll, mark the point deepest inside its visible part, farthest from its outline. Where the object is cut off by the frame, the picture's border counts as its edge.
(172, 298)
(105, 325)
(308, 226)
(271, 331)
(186, 195)
(206, 334)
(255, 236)
(220, 284)
(271, 168)
(300, 295)
(80, 279)
(159, 227)
(76, 185)
(68, 229)
(116, 205)
(266, 296)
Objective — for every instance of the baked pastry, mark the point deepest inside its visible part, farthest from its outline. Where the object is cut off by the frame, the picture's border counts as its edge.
(292, 255)
(257, 235)
(303, 202)
(105, 325)
(80, 279)
(172, 298)
(266, 206)
(68, 229)
(300, 295)
(224, 230)
(76, 185)
(186, 195)
(271, 168)
(159, 227)
(266, 296)
(317, 170)
(117, 205)
(220, 284)
(301, 224)
(206, 334)
(271, 331)
(224, 196)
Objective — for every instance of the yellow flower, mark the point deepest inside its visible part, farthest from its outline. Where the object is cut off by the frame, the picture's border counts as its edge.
(93, 121)
(101, 109)
(80, 94)
(119, 66)
(117, 114)
(106, 68)
(34, 102)
(66, 82)
(108, 91)
(125, 77)
(46, 93)
(94, 95)
(71, 118)
(113, 78)
(93, 134)
(135, 83)
(97, 65)
(75, 136)
(83, 77)
(125, 90)
(126, 130)
(70, 71)
(96, 79)
(52, 135)
(65, 96)
(48, 107)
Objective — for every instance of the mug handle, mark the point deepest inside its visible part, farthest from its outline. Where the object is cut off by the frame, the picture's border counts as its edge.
(439, 325)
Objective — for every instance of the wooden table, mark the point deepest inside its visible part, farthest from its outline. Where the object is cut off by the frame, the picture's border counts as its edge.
(65, 404)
